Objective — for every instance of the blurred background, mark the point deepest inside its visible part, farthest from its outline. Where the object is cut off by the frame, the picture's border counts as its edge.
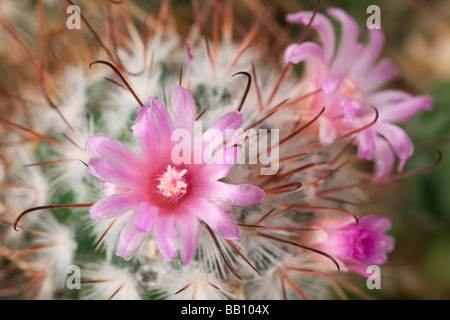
(417, 40)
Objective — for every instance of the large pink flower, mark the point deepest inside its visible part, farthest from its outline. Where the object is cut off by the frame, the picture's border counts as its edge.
(351, 77)
(166, 197)
(355, 246)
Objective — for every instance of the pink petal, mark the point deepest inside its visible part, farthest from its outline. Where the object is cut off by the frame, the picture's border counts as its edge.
(164, 121)
(110, 189)
(227, 208)
(311, 54)
(215, 218)
(399, 141)
(296, 53)
(327, 131)
(145, 129)
(383, 72)
(188, 230)
(389, 244)
(358, 267)
(384, 159)
(373, 222)
(130, 240)
(366, 144)
(232, 120)
(323, 27)
(221, 168)
(144, 217)
(229, 155)
(213, 172)
(112, 150)
(348, 43)
(338, 244)
(165, 235)
(154, 141)
(404, 111)
(241, 195)
(386, 98)
(114, 173)
(350, 107)
(184, 109)
(365, 62)
(331, 85)
(114, 205)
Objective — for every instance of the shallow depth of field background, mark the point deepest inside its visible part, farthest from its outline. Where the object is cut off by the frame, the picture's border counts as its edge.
(418, 41)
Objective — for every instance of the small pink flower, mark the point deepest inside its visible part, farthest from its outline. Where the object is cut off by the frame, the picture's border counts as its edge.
(165, 197)
(355, 246)
(351, 78)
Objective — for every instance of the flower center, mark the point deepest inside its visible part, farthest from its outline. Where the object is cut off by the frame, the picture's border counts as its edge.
(172, 186)
(348, 89)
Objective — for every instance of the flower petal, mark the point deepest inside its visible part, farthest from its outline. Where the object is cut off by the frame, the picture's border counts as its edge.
(114, 205)
(383, 72)
(371, 221)
(220, 169)
(399, 141)
(350, 107)
(188, 231)
(144, 217)
(327, 131)
(384, 159)
(154, 142)
(165, 123)
(366, 144)
(184, 109)
(215, 218)
(369, 54)
(130, 240)
(386, 98)
(241, 195)
(232, 120)
(114, 173)
(110, 189)
(323, 26)
(348, 43)
(404, 111)
(213, 172)
(309, 51)
(165, 235)
(112, 150)
(331, 85)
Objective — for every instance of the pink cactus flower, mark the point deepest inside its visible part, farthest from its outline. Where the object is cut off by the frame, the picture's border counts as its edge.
(350, 76)
(166, 197)
(355, 246)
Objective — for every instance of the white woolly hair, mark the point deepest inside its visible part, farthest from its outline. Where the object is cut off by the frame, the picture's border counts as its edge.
(202, 72)
(119, 106)
(31, 187)
(72, 101)
(2, 170)
(62, 246)
(73, 174)
(268, 286)
(113, 283)
(97, 228)
(262, 252)
(211, 259)
(24, 20)
(187, 282)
